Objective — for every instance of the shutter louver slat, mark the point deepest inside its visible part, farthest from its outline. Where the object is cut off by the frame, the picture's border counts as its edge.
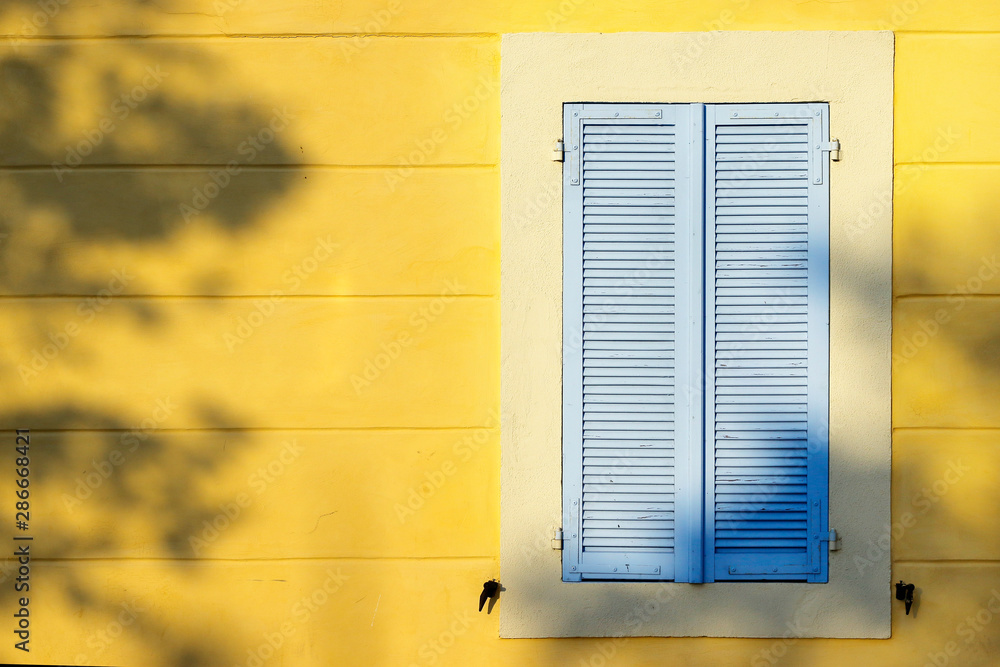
(633, 292)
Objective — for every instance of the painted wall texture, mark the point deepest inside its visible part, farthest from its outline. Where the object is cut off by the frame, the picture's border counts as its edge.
(249, 293)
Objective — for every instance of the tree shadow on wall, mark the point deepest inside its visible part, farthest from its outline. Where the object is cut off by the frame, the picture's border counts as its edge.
(122, 145)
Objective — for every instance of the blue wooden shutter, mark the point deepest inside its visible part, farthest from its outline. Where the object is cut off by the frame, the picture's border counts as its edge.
(766, 347)
(628, 280)
(695, 342)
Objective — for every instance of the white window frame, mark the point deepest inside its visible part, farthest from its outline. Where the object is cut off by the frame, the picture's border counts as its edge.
(539, 73)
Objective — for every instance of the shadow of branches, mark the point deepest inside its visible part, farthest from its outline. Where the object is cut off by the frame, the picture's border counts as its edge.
(114, 147)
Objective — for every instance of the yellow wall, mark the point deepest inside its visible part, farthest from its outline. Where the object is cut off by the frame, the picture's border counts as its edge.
(297, 353)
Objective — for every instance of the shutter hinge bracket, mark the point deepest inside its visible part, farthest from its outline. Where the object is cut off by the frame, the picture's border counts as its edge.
(833, 148)
(833, 539)
(558, 151)
(557, 539)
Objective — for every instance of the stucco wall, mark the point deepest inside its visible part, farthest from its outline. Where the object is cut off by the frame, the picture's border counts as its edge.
(304, 352)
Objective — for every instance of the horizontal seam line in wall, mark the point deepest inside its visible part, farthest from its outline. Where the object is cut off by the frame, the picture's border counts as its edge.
(247, 167)
(947, 561)
(264, 429)
(215, 297)
(278, 35)
(992, 429)
(948, 32)
(980, 295)
(977, 163)
(349, 34)
(257, 560)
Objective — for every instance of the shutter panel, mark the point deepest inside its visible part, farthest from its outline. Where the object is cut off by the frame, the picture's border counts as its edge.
(620, 275)
(766, 346)
(695, 342)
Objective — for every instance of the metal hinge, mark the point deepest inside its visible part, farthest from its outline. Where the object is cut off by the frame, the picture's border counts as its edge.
(557, 539)
(833, 539)
(558, 151)
(833, 148)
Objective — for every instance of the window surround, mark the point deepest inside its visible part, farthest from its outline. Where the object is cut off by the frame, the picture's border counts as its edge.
(539, 72)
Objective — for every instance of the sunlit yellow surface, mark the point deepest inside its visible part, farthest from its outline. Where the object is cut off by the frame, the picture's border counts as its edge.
(947, 229)
(942, 478)
(234, 17)
(335, 494)
(404, 288)
(321, 232)
(945, 352)
(951, 84)
(205, 101)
